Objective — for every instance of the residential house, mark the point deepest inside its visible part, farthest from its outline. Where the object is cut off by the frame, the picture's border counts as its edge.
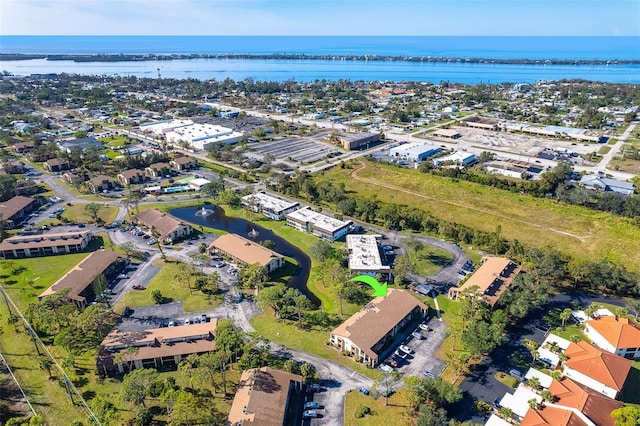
(80, 279)
(156, 170)
(13, 211)
(490, 280)
(100, 183)
(82, 144)
(599, 182)
(11, 167)
(183, 163)
(320, 225)
(21, 246)
(616, 335)
(265, 397)
(131, 177)
(270, 206)
(247, 252)
(599, 370)
(373, 330)
(158, 348)
(23, 147)
(56, 165)
(168, 228)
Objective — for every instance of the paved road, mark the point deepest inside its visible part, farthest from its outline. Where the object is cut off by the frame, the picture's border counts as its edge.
(604, 162)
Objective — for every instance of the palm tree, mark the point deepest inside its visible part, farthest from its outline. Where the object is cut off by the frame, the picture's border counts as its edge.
(565, 315)
(533, 404)
(534, 383)
(506, 413)
(556, 375)
(546, 395)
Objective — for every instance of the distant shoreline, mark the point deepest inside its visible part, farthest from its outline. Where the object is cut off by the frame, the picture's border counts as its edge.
(303, 57)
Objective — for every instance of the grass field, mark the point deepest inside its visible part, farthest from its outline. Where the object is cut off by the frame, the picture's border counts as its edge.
(537, 222)
(172, 288)
(429, 260)
(25, 279)
(395, 413)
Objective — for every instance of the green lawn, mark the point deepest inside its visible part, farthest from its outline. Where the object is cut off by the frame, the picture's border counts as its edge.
(429, 260)
(537, 222)
(48, 398)
(172, 288)
(395, 413)
(25, 279)
(313, 341)
(115, 141)
(506, 379)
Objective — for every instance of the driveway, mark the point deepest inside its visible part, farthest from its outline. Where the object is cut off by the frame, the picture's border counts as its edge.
(424, 356)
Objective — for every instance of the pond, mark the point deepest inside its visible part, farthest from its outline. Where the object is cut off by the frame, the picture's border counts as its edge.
(214, 217)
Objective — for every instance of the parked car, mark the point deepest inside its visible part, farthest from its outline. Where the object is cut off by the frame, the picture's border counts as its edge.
(310, 414)
(311, 404)
(151, 242)
(429, 374)
(417, 335)
(424, 327)
(195, 320)
(172, 323)
(314, 387)
(363, 391)
(387, 248)
(138, 287)
(385, 367)
(127, 311)
(400, 354)
(122, 276)
(406, 349)
(187, 321)
(203, 318)
(392, 362)
(516, 373)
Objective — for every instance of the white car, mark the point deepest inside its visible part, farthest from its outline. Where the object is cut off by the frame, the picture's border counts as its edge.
(425, 327)
(406, 349)
(385, 367)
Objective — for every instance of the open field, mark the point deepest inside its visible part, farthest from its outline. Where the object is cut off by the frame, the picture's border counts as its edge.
(429, 260)
(537, 222)
(395, 413)
(173, 289)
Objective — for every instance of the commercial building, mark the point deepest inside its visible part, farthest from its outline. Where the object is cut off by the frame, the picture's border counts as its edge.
(270, 206)
(21, 246)
(415, 151)
(616, 335)
(447, 133)
(168, 227)
(308, 220)
(201, 136)
(598, 182)
(164, 127)
(597, 369)
(264, 398)
(458, 158)
(506, 169)
(491, 279)
(364, 255)
(159, 348)
(353, 141)
(82, 144)
(246, 252)
(371, 331)
(16, 209)
(80, 278)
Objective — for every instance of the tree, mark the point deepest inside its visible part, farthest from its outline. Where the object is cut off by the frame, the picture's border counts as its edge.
(186, 409)
(401, 269)
(157, 296)
(307, 370)
(591, 310)
(506, 413)
(565, 315)
(546, 395)
(534, 383)
(100, 284)
(253, 276)
(415, 246)
(104, 410)
(322, 250)
(46, 364)
(135, 384)
(202, 248)
(627, 416)
(92, 210)
(432, 416)
(271, 245)
(533, 404)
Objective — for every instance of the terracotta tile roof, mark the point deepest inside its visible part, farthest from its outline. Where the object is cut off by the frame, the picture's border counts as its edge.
(375, 320)
(9, 208)
(617, 331)
(245, 250)
(162, 222)
(261, 398)
(592, 404)
(83, 274)
(602, 366)
(551, 416)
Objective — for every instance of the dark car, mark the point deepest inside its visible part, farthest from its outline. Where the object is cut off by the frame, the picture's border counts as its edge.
(363, 390)
(127, 311)
(314, 387)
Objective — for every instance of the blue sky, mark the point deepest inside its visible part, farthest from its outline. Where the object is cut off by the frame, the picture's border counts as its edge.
(314, 17)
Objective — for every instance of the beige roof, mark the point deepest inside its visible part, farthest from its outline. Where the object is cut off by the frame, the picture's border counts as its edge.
(261, 398)
(375, 320)
(159, 166)
(620, 332)
(43, 240)
(131, 173)
(184, 160)
(243, 249)
(56, 162)
(490, 278)
(100, 179)
(159, 342)
(162, 222)
(601, 366)
(10, 207)
(83, 274)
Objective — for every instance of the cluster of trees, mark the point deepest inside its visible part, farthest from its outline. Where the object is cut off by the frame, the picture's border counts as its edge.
(287, 303)
(74, 329)
(482, 329)
(430, 398)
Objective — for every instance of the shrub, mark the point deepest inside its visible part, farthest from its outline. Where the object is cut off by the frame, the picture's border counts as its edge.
(362, 411)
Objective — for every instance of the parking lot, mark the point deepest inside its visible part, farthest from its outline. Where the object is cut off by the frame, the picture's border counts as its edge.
(301, 150)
